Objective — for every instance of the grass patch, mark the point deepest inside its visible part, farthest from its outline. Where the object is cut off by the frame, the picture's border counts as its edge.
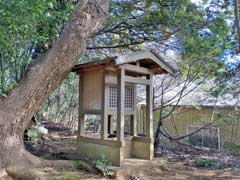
(208, 163)
(103, 165)
(78, 164)
(68, 176)
(64, 174)
(232, 148)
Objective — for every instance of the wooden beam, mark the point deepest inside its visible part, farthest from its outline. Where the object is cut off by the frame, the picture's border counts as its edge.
(107, 142)
(146, 54)
(120, 109)
(137, 69)
(92, 111)
(111, 68)
(80, 108)
(114, 112)
(137, 80)
(103, 107)
(149, 109)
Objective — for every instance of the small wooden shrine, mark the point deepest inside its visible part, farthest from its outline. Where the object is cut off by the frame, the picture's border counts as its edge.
(108, 89)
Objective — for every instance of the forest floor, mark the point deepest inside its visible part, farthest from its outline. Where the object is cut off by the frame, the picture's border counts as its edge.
(163, 171)
(67, 174)
(178, 170)
(179, 164)
(63, 174)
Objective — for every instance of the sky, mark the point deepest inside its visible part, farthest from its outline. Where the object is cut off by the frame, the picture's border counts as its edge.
(196, 1)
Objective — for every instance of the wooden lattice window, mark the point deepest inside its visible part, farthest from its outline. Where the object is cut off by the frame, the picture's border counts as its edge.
(113, 97)
(129, 97)
(113, 94)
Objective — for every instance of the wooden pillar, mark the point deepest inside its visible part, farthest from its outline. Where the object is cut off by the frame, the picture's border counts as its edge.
(149, 109)
(133, 117)
(80, 108)
(121, 108)
(104, 118)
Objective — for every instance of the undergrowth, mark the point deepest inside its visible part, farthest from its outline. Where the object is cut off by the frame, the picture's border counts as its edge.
(208, 163)
(103, 165)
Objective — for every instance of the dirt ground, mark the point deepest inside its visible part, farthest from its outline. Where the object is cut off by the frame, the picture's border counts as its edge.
(179, 171)
(56, 174)
(50, 173)
(159, 169)
(162, 171)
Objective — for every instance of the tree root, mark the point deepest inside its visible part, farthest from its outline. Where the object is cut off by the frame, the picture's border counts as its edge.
(23, 173)
(27, 174)
(71, 165)
(39, 172)
(25, 166)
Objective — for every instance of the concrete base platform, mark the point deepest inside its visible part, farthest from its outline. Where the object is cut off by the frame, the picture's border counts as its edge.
(114, 151)
(132, 166)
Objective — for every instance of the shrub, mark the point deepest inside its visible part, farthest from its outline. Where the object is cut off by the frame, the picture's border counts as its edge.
(103, 165)
(133, 177)
(79, 164)
(208, 163)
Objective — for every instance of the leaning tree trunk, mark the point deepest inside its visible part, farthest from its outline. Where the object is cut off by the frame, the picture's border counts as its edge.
(42, 78)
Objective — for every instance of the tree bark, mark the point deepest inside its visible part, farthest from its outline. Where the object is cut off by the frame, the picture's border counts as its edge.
(42, 78)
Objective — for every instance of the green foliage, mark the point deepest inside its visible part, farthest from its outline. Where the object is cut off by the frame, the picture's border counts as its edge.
(133, 177)
(200, 33)
(208, 163)
(103, 165)
(27, 29)
(82, 165)
(166, 165)
(78, 164)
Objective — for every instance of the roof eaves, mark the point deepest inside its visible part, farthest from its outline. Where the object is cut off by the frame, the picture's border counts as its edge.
(174, 71)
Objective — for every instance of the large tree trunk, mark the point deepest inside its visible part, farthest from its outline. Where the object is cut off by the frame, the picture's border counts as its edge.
(42, 78)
